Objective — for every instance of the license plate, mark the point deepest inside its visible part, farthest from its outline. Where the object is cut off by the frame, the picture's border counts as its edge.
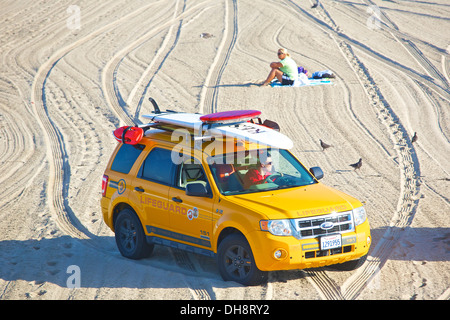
(331, 242)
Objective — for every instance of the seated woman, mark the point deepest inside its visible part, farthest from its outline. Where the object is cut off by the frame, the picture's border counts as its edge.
(258, 175)
(286, 70)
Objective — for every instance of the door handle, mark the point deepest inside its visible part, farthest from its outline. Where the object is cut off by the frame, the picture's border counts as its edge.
(139, 189)
(176, 199)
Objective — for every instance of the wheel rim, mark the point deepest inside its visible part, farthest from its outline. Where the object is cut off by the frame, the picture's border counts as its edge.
(127, 235)
(238, 262)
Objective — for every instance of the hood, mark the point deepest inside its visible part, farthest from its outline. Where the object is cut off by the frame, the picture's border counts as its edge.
(300, 202)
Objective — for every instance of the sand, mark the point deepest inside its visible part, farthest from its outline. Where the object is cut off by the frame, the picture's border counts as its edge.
(73, 71)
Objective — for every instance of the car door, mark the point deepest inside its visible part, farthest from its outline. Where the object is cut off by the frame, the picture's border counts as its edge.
(191, 217)
(152, 184)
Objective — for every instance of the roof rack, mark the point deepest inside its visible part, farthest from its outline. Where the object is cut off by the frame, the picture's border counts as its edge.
(208, 121)
(239, 124)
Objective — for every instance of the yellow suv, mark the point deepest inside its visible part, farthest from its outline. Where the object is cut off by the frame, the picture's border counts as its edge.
(253, 207)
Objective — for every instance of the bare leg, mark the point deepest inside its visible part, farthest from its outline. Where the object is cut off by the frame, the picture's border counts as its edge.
(275, 72)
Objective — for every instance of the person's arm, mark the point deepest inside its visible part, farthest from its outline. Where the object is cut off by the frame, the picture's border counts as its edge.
(277, 65)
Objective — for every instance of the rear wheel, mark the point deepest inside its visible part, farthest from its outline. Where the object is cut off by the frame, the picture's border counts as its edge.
(236, 262)
(130, 236)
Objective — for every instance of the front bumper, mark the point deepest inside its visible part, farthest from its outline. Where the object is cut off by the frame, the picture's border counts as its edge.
(287, 252)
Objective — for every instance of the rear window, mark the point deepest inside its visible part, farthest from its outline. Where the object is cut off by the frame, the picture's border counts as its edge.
(158, 167)
(125, 157)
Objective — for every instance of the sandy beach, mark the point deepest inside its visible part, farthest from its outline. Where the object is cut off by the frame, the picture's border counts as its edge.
(73, 71)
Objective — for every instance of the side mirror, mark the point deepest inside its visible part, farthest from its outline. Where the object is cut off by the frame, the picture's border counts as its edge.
(316, 172)
(197, 189)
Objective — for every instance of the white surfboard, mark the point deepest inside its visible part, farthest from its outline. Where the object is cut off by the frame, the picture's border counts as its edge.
(240, 129)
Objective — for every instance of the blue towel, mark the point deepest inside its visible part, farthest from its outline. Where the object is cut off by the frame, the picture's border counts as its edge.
(311, 82)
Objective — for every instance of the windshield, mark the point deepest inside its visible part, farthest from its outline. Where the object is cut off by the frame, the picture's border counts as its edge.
(257, 170)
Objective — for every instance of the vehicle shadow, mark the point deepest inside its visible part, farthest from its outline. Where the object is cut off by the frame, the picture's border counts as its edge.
(101, 265)
(414, 244)
(96, 263)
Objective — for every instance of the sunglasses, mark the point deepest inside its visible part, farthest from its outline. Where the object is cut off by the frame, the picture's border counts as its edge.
(280, 53)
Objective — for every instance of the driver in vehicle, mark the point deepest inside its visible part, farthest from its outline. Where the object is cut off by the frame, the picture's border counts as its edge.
(259, 174)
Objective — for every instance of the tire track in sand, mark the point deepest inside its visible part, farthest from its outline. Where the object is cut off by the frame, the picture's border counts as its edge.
(409, 168)
(210, 91)
(150, 71)
(109, 86)
(409, 45)
(59, 168)
(409, 177)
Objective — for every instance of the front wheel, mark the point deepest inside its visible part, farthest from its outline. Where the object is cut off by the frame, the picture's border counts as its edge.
(130, 236)
(236, 262)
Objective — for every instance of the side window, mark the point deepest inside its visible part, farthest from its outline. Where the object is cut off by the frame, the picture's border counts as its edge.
(190, 171)
(125, 157)
(158, 167)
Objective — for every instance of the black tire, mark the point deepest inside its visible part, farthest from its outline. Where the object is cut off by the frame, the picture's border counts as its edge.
(130, 236)
(350, 265)
(236, 262)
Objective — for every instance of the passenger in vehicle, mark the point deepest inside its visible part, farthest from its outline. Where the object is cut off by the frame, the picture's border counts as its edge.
(259, 174)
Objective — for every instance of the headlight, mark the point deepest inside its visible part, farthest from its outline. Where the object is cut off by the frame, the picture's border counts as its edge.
(359, 214)
(277, 227)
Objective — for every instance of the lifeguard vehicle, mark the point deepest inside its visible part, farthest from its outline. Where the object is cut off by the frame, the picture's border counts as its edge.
(226, 185)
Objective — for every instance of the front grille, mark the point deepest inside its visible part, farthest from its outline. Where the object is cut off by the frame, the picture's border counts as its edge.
(311, 227)
(330, 252)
